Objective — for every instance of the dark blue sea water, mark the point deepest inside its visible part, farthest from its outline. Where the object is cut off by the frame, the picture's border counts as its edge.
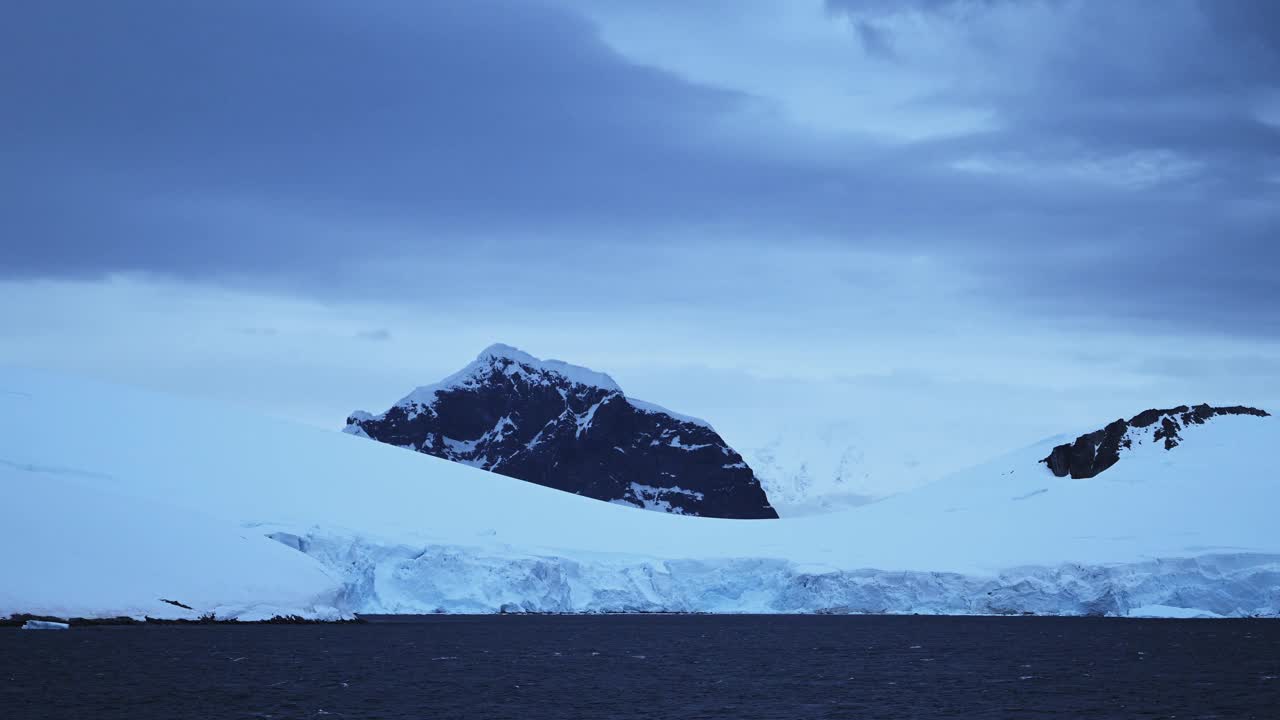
(533, 667)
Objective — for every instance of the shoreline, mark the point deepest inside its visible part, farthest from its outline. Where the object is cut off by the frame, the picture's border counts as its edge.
(18, 620)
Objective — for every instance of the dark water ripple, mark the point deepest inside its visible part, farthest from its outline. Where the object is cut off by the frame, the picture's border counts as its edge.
(651, 667)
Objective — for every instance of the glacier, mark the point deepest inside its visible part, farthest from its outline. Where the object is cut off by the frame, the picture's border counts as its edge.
(136, 499)
(385, 578)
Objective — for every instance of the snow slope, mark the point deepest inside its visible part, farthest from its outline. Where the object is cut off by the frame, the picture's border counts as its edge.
(73, 548)
(188, 492)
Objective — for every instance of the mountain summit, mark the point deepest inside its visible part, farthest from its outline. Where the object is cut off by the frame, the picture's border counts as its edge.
(573, 429)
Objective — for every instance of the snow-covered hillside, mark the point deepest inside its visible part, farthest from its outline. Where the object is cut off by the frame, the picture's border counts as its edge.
(119, 498)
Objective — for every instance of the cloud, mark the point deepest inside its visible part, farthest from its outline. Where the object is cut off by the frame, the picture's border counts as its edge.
(1099, 163)
(378, 335)
(198, 138)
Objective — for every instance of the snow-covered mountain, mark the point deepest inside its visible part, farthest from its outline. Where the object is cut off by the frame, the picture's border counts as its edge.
(572, 429)
(1094, 452)
(113, 506)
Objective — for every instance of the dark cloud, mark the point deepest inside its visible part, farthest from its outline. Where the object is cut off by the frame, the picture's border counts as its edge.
(1255, 23)
(173, 132)
(1163, 93)
(1128, 176)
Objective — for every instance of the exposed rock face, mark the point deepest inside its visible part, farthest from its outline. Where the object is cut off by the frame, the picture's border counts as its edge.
(572, 429)
(1094, 452)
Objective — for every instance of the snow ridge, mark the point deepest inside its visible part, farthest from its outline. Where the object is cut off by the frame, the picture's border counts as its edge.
(531, 368)
(517, 362)
(648, 407)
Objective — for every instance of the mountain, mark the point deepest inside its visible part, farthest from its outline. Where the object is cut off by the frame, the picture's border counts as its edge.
(572, 429)
(1094, 452)
(118, 500)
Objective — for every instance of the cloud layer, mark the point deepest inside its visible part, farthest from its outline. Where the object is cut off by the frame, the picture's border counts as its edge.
(1073, 163)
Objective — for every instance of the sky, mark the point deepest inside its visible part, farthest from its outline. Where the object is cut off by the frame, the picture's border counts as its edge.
(973, 223)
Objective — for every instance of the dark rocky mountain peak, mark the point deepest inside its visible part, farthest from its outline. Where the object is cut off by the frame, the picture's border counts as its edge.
(1094, 452)
(572, 429)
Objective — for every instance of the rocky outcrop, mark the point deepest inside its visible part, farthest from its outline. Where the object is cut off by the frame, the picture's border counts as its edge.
(572, 429)
(1094, 452)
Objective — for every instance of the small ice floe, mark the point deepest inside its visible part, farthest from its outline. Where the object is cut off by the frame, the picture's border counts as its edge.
(45, 625)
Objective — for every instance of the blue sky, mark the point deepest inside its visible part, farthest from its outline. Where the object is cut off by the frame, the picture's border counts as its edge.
(1041, 212)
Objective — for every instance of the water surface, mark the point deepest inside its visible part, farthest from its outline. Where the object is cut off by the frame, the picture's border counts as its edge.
(533, 667)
